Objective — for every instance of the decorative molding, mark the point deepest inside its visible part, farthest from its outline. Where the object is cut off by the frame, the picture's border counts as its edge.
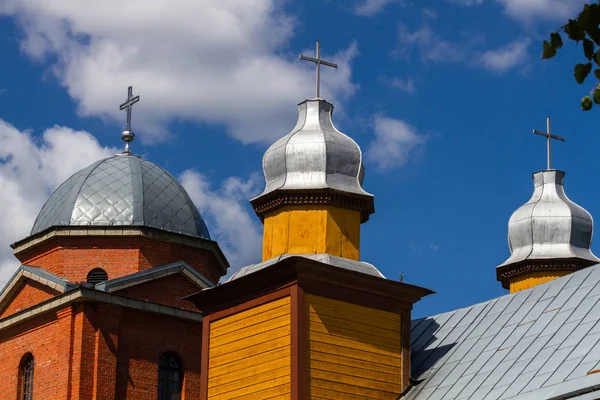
(89, 295)
(57, 232)
(506, 273)
(280, 198)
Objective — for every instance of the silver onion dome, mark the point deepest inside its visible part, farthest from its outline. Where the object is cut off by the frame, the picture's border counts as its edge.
(550, 226)
(123, 190)
(314, 155)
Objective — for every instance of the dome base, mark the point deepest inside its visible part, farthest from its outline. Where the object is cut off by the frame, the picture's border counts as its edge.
(280, 198)
(510, 275)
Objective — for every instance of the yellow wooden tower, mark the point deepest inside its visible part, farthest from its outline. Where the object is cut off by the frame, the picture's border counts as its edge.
(311, 320)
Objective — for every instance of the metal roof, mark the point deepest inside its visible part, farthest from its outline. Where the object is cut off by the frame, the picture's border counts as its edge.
(123, 190)
(154, 273)
(314, 155)
(550, 225)
(339, 262)
(540, 343)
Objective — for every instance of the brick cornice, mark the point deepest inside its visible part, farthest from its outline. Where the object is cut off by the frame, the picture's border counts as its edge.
(89, 295)
(506, 273)
(281, 198)
(59, 232)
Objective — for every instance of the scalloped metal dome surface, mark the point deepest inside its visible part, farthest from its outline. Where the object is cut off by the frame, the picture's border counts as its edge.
(123, 190)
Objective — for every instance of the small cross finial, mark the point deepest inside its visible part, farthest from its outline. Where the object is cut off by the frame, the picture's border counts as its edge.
(401, 276)
(318, 62)
(128, 134)
(548, 137)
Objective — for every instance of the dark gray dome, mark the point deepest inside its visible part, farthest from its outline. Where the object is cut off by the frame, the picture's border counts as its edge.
(123, 190)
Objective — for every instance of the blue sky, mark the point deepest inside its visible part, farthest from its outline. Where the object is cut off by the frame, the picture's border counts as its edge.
(441, 96)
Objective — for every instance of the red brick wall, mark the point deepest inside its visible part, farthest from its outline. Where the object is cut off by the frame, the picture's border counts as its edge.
(73, 257)
(30, 294)
(168, 290)
(48, 339)
(143, 338)
(98, 351)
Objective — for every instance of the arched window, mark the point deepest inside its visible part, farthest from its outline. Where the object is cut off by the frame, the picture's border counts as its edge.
(97, 275)
(170, 377)
(26, 378)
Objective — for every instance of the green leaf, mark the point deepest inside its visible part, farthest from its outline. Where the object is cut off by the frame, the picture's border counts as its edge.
(597, 73)
(586, 103)
(597, 96)
(549, 50)
(597, 57)
(588, 48)
(585, 17)
(556, 40)
(581, 71)
(574, 31)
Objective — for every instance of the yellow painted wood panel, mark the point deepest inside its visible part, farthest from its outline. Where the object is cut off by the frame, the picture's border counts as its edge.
(352, 354)
(342, 323)
(351, 343)
(351, 390)
(249, 353)
(251, 341)
(275, 393)
(353, 380)
(273, 387)
(248, 362)
(310, 229)
(245, 315)
(389, 368)
(252, 383)
(249, 372)
(353, 308)
(345, 358)
(351, 331)
(533, 279)
(326, 394)
(275, 321)
(349, 316)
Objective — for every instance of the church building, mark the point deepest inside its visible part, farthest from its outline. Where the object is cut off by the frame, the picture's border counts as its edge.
(120, 293)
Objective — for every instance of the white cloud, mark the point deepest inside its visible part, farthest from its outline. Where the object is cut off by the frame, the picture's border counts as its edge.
(433, 48)
(429, 13)
(215, 61)
(545, 9)
(369, 8)
(229, 217)
(528, 10)
(405, 84)
(506, 57)
(393, 143)
(430, 46)
(30, 169)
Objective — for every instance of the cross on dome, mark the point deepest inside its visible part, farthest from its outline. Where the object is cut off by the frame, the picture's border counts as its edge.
(549, 137)
(318, 62)
(128, 134)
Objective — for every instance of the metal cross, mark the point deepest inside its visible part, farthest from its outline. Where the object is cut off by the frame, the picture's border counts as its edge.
(318, 61)
(549, 137)
(128, 134)
(129, 105)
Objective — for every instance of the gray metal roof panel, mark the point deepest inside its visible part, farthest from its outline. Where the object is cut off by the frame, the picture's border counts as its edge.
(535, 343)
(122, 191)
(340, 262)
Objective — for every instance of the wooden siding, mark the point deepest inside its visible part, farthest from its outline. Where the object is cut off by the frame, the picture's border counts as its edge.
(355, 352)
(249, 353)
